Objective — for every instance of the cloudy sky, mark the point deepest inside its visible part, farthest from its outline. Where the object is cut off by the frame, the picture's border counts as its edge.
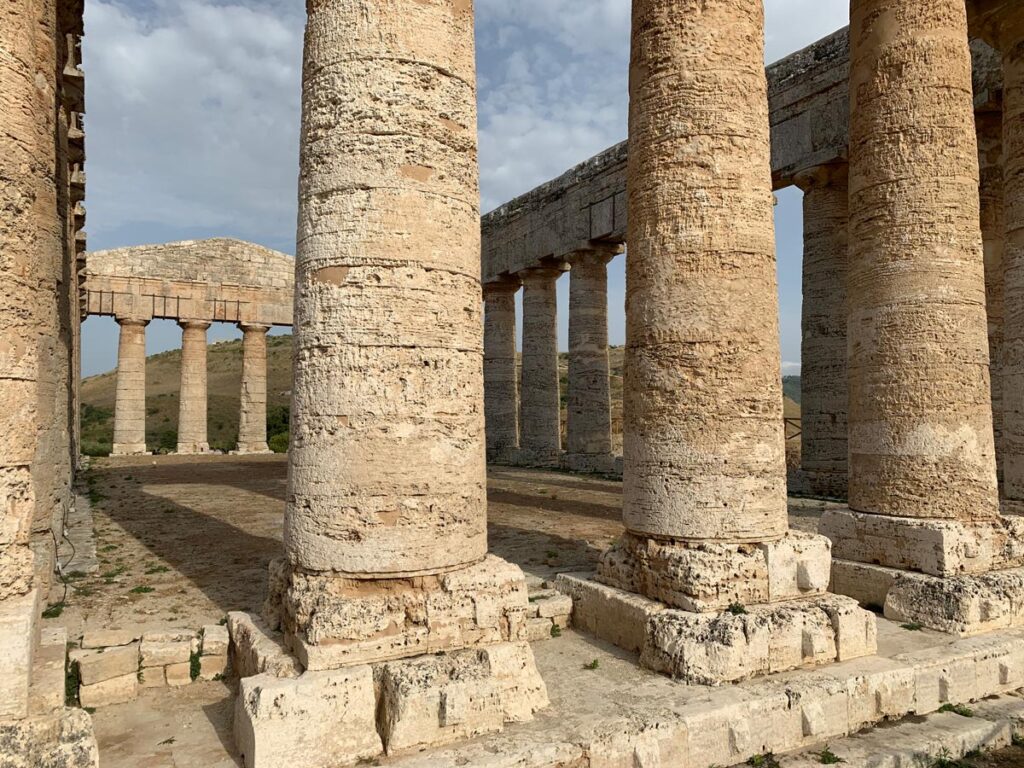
(193, 112)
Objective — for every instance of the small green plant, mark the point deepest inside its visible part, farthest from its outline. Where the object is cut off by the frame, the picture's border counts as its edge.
(912, 626)
(551, 554)
(155, 569)
(90, 710)
(223, 621)
(556, 631)
(166, 741)
(592, 665)
(75, 576)
(71, 683)
(141, 590)
(767, 760)
(1017, 740)
(109, 547)
(54, 611)
(946, 760)
(960, 709)
(193, 665)
(113, 573)
(736, 609)
(828, 757)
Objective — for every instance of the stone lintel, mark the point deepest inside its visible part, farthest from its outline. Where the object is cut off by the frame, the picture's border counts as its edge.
(724, 647)
(711, 576)
(331, 621)
(936, 547)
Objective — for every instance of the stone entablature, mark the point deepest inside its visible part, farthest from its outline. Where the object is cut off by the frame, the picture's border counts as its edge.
(217, 280)
(808, 99)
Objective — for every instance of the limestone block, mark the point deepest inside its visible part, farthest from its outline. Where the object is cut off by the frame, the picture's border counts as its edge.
(619, 617)
(155, 653)
(867, 584)
(256, 650)
(178, 675)
(116, 690)
(881, 689)
(538, 629)
(105, 638)
(943, 675)
(210, 667)
(62, 739)
(18, 635)
(560, 605)
(318, 720)
(823, 704)
(48, 672)
(650, 741)
(105, 664)
(152, 677)
(436, 700)
(215, 640)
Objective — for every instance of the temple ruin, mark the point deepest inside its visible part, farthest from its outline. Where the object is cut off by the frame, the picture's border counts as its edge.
(394, 627)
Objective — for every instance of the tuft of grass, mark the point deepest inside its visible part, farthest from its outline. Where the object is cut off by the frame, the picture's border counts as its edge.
(961, 709)
(913, 626)
(166, 741)
(737, 609)
(592, 665)
(54, 611)
(193, 665)
(1017, 739)
(72, 680)
(767, 760)
(946, 760)
(551, 554)
(223, 621)
(828, 757)
(90, 710)
(155, 569)
(556, 631)
(141, 590)
(113, 573)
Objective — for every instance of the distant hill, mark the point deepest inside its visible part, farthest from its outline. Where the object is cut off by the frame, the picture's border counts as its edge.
(224, 374)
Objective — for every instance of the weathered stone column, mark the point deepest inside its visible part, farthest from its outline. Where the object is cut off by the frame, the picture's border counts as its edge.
(252, 419)
(704, 487)
(192, 404)
(540, 406)
(130, 398)
(589, 428)
(823, 374)
(386, 523)
(993, 234)
(501, 386)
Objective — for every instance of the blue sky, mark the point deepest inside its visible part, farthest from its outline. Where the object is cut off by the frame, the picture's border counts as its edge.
(193, 117)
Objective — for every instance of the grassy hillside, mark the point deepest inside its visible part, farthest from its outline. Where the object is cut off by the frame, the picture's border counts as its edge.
(224, 370)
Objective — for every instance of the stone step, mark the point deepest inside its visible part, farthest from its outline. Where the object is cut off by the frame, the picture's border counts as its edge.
(922, 741)
(47, 690)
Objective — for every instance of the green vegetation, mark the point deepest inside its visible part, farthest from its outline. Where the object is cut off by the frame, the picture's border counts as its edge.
(592, 665)
(767, 760)
(737, 609)
(194, 665)
(556, 631)
(71, 682)
(828, 757)
(961, 709)
(912, 626)
(141, 590)
(54, 611)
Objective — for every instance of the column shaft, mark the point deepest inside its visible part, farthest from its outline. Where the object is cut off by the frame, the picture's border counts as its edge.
(704, 444)
(387, 463)
(921, 438)
(589, 417)
(252, 418)
(130, 397)
(192, 405)
(823, 375)
(501, 387)
(540, 408)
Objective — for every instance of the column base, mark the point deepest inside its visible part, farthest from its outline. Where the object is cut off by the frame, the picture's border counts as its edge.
(936, 547)
(592, 463)
(506, 457)
(819, 484)
(964, 605)
(538, 459)
(338, 717)
(330, 621)
(709, 577)
(193, 449)
(254, 449)
(130, 449)
(726, 646)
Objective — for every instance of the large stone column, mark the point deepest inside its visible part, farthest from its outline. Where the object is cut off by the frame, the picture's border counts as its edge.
(923, 489)
(252, 419)
(823, 374)
(589, 428)
(192, 404)
(993, 234)
(130, 398)
(501, 386)
(386, 523)
(704, 487)
(540, 406)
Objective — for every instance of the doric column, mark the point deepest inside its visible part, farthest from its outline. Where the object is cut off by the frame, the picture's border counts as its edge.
(823, 375)
(704, 484)
(130, 398)
(192, 404)
(589, 417)
(540, 407)
(501, 386)
(252, 418)
(993, 234)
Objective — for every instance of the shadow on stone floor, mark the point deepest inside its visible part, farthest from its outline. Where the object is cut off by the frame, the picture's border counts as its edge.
(555, 504)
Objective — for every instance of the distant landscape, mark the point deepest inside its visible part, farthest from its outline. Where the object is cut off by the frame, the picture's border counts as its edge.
(224, 373)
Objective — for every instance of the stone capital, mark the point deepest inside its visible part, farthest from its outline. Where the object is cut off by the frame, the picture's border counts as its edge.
(998, 22)
(503, 285)
(597, 255)
(137, 321)
(254, 327)
(821, 176)
(541, 274)
(200, 324)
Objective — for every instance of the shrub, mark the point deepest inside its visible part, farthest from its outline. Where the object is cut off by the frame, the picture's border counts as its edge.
(279, 443)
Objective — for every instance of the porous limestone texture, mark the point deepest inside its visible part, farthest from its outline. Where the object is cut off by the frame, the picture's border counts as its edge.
(724, 646)
(540, 414)
(920, 419)
(252, 422)
(130, 397)
(319, 720)
(192, 403)
(333, 621)
(436, 700)
(257, 649)
(703, 438)
(501, 378)
(589, 409)
(64, 739)
(19, 633)
(711, 576)
(823, 375)
(387, 459)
